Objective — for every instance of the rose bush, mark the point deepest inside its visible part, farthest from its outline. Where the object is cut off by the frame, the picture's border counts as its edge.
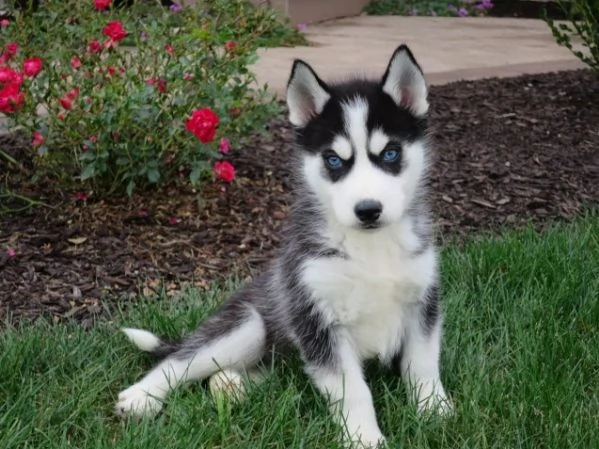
(128, 97)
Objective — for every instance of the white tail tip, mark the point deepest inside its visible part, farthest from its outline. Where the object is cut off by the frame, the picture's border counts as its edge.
(144, 340)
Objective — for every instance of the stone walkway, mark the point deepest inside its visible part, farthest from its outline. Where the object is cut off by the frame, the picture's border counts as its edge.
(448, 48)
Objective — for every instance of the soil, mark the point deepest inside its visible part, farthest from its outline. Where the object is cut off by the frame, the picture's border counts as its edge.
(508, 152)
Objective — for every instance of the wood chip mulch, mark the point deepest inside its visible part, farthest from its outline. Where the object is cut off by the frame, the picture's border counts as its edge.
(509, 152)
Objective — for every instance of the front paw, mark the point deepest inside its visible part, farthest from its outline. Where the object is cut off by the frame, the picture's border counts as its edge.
(437, 403)
(374, 443)
(366, 439)
(136, 402)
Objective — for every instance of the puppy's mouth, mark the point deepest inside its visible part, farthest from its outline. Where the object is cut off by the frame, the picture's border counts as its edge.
(371, 226)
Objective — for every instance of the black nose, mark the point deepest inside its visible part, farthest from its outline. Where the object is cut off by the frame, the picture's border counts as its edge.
(368, 211)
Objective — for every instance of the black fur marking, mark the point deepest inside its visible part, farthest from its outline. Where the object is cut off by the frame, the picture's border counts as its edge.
(318, 135)
(316, 338)
(166, 348)
(227, 318)
(397, 122)
(340, 173)
(332, 252)
(395, 362)
(431, 309)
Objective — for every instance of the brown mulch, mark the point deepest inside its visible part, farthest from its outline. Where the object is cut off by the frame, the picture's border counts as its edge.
(509, 152)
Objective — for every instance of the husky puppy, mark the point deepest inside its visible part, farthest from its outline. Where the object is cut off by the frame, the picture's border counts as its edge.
(356, 277)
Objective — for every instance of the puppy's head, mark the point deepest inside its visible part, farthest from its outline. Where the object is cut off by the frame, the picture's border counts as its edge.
(363, 142)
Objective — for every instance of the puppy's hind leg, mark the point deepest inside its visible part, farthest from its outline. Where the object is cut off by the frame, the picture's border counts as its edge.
(234, 338)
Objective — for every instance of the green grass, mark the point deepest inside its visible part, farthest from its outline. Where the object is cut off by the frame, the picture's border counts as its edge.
(521, 361)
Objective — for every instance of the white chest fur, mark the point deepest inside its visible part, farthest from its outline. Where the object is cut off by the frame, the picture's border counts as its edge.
(370, 291)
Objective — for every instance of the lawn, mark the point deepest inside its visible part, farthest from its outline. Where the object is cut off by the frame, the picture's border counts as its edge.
(521, 361)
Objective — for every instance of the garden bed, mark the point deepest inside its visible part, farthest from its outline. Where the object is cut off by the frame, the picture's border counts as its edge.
(509, 152)
(527, 9)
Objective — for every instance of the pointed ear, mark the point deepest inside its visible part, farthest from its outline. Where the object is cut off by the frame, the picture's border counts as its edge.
(306, 94)
(405, 83)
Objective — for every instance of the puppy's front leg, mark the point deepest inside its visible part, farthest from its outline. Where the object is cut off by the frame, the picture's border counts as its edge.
(350, 399)
(420, 358)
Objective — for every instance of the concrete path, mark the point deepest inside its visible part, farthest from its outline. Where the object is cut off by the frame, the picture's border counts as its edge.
(448, 48)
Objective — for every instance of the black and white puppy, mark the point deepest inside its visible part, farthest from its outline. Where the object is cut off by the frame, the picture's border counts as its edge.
(356, 277)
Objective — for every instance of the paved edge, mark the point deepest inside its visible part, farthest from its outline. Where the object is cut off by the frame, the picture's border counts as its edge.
(506, 71)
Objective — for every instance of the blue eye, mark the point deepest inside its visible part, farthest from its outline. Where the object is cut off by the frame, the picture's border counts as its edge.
(390, 155)
(334, 162)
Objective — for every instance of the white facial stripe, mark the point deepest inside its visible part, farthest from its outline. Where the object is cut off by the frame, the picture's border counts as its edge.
(342, 147)
(378, 141)
(415, 157)
(355, 114)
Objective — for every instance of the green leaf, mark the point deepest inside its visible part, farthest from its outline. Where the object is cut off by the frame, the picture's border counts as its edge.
(89, 171)
(195, 174)
(153, 175)
(130, 187)
(88, 157)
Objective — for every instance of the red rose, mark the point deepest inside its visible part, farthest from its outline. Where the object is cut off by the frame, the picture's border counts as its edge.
(161, 86)
(169, 49)
(230, 46)
(66, 102)
(102, 4)
(75, 62)
(38, 139)
(10, 50)
(235, 112)
(73, 93)
(224, 170)
(202, 124)
(11, 97)
(94, 46)
(161, 83)
(92, 139)
(17, 79)
(224, 146)
(115, 30)
(9, 76)
(32, 66)
(80, 196)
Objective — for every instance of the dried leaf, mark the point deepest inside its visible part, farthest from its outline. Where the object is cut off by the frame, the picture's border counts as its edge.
(78, 240)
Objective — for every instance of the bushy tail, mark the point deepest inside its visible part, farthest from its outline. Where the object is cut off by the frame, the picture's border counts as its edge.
(148, 342)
